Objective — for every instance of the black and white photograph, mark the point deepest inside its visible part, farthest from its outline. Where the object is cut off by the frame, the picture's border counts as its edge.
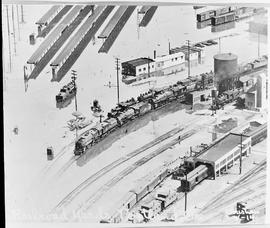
(135, 112)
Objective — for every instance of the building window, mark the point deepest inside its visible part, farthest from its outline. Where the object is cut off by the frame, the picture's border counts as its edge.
(175, 58)
(140, 70)
(172, 60)
(144, 69)
(152, 66)
(182, 57)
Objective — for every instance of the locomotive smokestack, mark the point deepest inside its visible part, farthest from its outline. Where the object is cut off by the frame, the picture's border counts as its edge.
(155, 53)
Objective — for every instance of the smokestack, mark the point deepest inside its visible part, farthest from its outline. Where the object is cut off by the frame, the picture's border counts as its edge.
(155, 54)
(169, 48)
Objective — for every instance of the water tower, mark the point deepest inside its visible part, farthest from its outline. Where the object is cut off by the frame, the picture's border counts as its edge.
(225, 69)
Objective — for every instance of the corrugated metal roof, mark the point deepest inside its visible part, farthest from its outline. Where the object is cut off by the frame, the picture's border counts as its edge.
(222, 147)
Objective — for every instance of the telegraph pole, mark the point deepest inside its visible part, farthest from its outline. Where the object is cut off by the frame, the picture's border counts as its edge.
(73, 78)
(8, 30)
(13, 27)
(240, 166)
(186, 194)
(188, 41)
(148, 65)
(117, 75)
(22, 18)
(138, 24)
(258, 45)
(18, 23)
(219, 44)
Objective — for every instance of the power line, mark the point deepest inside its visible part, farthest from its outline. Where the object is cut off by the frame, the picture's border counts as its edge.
(188, 41)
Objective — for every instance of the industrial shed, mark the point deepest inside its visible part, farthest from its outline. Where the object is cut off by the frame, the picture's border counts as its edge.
(224, 152)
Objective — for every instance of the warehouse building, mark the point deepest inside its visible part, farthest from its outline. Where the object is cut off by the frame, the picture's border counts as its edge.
(224, 153)
(196, 55)
(138, 66)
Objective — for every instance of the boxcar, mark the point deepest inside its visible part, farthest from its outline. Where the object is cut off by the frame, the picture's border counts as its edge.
(205, 15)
(222, 19)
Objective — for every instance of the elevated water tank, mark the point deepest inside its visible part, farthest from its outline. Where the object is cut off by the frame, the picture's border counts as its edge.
(225, 66)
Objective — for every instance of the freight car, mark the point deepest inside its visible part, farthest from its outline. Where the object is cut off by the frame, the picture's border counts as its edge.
(167, 197)
(133, 197)
(222, 19)
(258, 134)
(194, 177)
(205, 15)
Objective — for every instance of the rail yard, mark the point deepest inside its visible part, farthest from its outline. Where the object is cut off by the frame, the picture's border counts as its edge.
(128, 114)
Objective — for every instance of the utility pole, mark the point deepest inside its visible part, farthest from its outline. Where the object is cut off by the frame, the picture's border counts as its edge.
(8, 30)
(22, 18)
(188, 41)
(13, 27)
(18, 23)
(240, 166)
(186, 194)
(138, 23)
(73, 78)
(100, 118)
(148, 65)
(258, 45)
(117, 75)
(219, 44)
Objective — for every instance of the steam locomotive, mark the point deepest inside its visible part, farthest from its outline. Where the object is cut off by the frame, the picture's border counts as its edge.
(66, 92)
(153, 99)
(131, 109)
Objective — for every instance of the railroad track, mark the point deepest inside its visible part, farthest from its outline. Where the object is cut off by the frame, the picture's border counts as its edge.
(97, 195)
(113, 165)
(215, 202)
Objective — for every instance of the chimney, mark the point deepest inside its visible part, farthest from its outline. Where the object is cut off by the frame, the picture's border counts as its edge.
(155, 53)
